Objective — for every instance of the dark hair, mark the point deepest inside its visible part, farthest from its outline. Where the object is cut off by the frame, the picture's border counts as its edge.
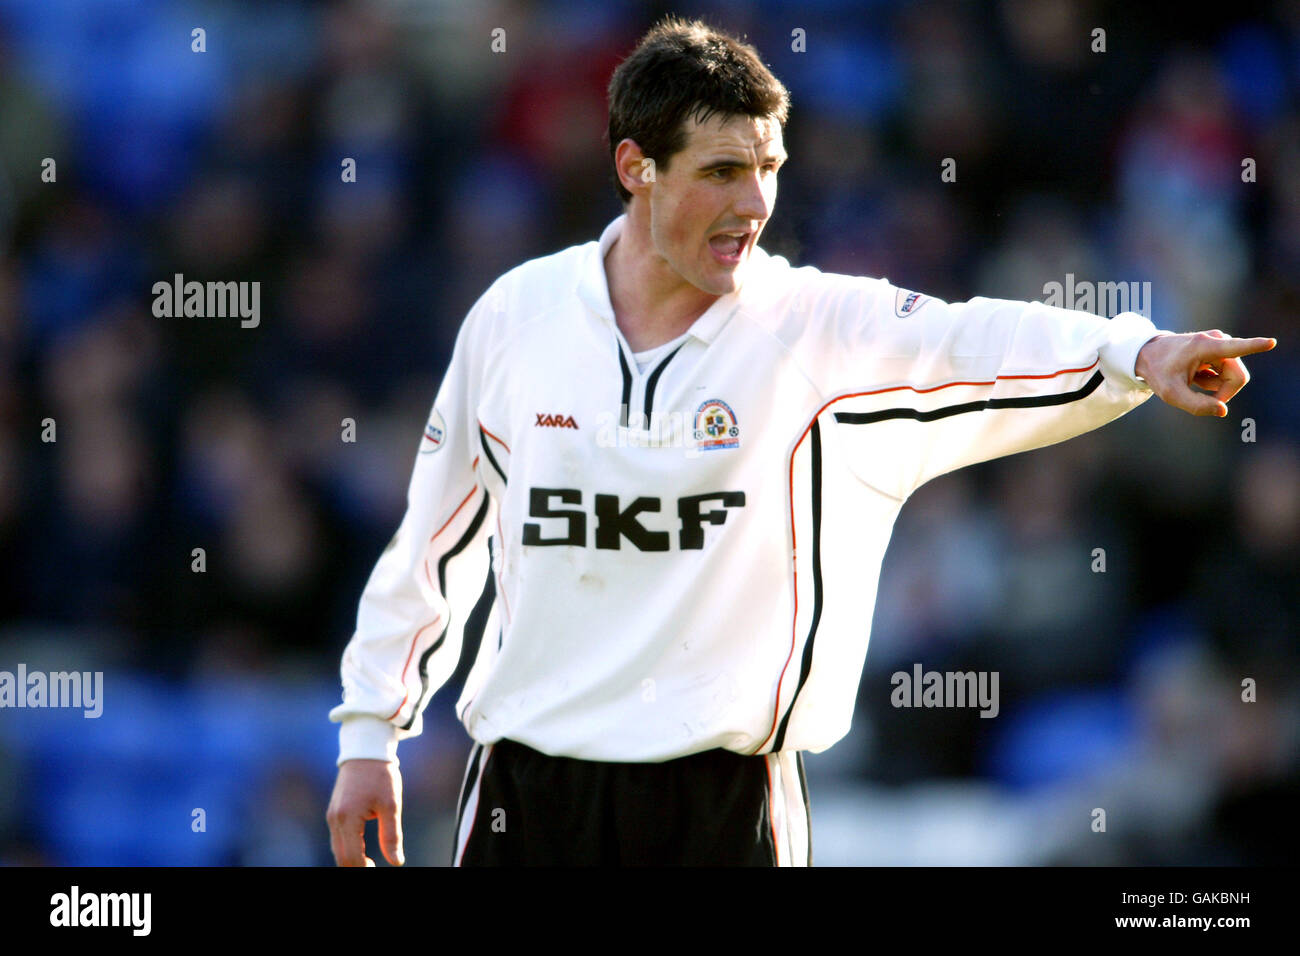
(682, 69)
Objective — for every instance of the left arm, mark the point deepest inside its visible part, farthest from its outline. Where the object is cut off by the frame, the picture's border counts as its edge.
(928, 386)
(922, 387)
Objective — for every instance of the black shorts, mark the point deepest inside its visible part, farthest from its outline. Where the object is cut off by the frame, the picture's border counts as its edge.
(519, 807)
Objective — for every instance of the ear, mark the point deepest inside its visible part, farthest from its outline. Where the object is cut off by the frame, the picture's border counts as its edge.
(636, 171)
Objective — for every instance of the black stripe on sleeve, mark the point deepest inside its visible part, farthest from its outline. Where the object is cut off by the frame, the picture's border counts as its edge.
(1027, 401)
(627, 385)
(487, 450)
(805, 665)
(456, 549)
(867, 418)
(654, 380)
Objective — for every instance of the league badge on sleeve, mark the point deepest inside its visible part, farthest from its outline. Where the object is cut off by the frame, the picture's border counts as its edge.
(715, 426)
(907, 302)
(435, 433)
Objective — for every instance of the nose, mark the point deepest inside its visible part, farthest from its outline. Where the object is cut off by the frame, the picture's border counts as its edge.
(757, 196)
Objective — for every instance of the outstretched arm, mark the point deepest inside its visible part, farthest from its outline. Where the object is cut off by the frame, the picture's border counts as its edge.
(1172, 364)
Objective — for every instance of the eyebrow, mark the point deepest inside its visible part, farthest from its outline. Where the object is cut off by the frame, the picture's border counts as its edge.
(778, 158)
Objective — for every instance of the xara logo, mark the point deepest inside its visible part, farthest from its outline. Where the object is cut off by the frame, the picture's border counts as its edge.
(556, 421)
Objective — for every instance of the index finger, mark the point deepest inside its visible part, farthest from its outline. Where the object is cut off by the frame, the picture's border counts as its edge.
(1231, 348)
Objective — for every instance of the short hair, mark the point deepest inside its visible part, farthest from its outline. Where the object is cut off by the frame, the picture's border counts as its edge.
(683, 69)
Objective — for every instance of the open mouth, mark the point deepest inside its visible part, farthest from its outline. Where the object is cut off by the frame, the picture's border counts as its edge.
(728, 247)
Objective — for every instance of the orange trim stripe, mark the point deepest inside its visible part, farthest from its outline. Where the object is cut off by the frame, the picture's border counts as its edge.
(409, 654)
(415, 637)
(794, 570)
(494, 437)
(427, 575)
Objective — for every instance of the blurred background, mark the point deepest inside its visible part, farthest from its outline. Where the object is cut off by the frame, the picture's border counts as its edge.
(1119, 690)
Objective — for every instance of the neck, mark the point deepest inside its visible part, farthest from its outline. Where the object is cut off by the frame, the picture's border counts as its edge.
(652, 303)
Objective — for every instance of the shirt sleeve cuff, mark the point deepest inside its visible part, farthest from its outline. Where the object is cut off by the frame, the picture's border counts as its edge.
(1129, 332)
(364, 737)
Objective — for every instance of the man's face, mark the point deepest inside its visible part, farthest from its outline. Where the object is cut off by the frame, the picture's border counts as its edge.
(709, 207)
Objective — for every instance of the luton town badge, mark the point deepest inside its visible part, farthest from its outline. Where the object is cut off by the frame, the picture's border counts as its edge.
(715, 426)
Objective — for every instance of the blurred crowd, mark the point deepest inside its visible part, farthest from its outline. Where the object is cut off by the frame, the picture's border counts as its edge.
(1120, 688)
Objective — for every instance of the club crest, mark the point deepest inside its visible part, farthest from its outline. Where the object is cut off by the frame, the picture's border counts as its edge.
(715, 426)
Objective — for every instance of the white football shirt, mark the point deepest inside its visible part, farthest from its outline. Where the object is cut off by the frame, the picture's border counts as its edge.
(686, 555)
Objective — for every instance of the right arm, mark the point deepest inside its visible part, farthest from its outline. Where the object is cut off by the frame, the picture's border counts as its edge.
(411, 616)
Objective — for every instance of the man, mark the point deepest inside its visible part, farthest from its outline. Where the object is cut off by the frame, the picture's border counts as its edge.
(688, 457)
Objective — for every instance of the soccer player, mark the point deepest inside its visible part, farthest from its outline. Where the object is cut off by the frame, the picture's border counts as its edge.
(681, 459)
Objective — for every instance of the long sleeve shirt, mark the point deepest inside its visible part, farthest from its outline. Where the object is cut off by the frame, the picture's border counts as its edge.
(686, 555)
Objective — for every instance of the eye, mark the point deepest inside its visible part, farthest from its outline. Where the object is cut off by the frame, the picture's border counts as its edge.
(720, 174)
